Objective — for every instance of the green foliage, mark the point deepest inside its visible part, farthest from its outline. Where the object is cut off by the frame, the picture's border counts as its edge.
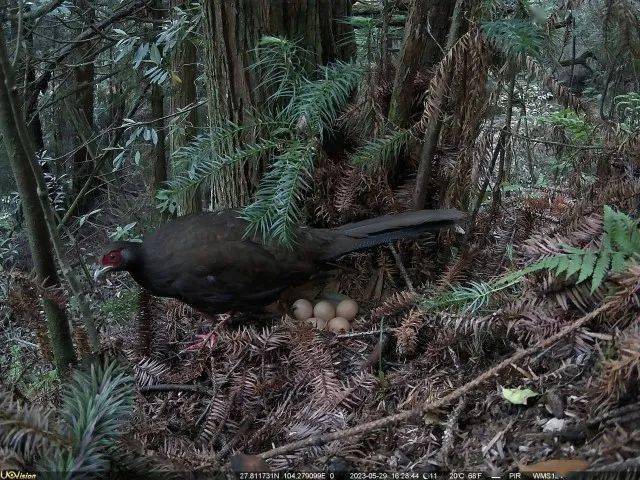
(126, 233)
(151, 57)
(83, 441)
(280, 67)
(577, 127)
(277, 208)
(368, 33)
(121, 308)
(320, 101)
(205, 163)
(620, 243)
(627, 108)
(515, 37)
(471, 298)
(619, 246)
(299, 111)
(382, 152)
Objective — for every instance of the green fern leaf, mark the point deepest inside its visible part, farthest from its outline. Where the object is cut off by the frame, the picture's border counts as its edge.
(382, 151)
(618, 262)
(575, 264)
(564, 261)
(588, 264)
(600, 269)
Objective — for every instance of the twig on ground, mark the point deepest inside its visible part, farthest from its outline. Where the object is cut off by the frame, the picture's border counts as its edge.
(614, 414)
(364, 334)
(632, 464)
(176, 387)
(449, 433)
(457, 393)
(403, 271)
(376, 354)
(496, 437)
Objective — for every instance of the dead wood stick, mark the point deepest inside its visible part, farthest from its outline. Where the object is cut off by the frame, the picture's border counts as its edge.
(176, 387)
(614, 414)
(403, 270)
(629, 465)
(448, 437)
(457, 393)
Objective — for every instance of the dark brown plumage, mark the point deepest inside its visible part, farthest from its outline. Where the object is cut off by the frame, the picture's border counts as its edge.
(205, 261)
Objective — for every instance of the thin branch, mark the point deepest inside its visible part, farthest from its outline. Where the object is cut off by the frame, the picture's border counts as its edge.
(43, 10)
(559, 144)
(43, 80)
(19, 34)
(403, 270)
(176, 387)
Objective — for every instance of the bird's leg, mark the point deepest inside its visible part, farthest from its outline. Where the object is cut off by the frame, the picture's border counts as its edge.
(224, 320)
(209, 339)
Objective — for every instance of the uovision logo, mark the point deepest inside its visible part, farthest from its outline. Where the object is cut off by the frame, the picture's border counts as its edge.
(16, 475)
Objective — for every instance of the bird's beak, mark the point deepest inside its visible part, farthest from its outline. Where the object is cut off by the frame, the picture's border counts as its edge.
(101, 271)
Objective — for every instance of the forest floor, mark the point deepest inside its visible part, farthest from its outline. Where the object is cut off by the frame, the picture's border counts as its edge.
(205, 392)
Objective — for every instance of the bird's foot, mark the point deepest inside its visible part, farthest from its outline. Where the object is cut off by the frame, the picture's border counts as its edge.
(224, 320)
(208, 340)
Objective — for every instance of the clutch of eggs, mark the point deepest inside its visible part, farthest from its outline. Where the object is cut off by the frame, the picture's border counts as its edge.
(325, 316)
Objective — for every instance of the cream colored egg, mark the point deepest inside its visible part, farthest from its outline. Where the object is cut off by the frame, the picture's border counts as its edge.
(347, 308)
(338, 325)
(318, 323)
(302, 309)
(324, 310)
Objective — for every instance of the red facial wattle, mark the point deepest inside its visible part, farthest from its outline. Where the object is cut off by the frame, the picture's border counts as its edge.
(112, 259)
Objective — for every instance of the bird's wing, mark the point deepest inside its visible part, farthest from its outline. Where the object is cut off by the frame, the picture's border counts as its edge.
(233, 272)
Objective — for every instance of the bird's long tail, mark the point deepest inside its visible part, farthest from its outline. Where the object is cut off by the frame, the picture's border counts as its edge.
(388, 228)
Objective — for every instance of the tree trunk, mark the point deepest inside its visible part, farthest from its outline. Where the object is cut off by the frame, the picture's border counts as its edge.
(157, 113)
(432, 134)
(24, 68)
(232, 31)
(39, 240)
(183, 95)
(424, 38)
(84, 73)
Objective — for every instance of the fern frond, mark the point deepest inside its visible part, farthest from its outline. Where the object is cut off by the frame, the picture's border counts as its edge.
(472, 297)
(25, 430)
(280, 65)
(620, 242)
(382, 151)
(206, 169)
(278, 205)
(320, 101)
(95, 405)
(514, 37)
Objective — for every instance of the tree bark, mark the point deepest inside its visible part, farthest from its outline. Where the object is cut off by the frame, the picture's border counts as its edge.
(84, 74)
(432, 134)
(39, 240)
(184, 94)
(422, 47)
(232, 31)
